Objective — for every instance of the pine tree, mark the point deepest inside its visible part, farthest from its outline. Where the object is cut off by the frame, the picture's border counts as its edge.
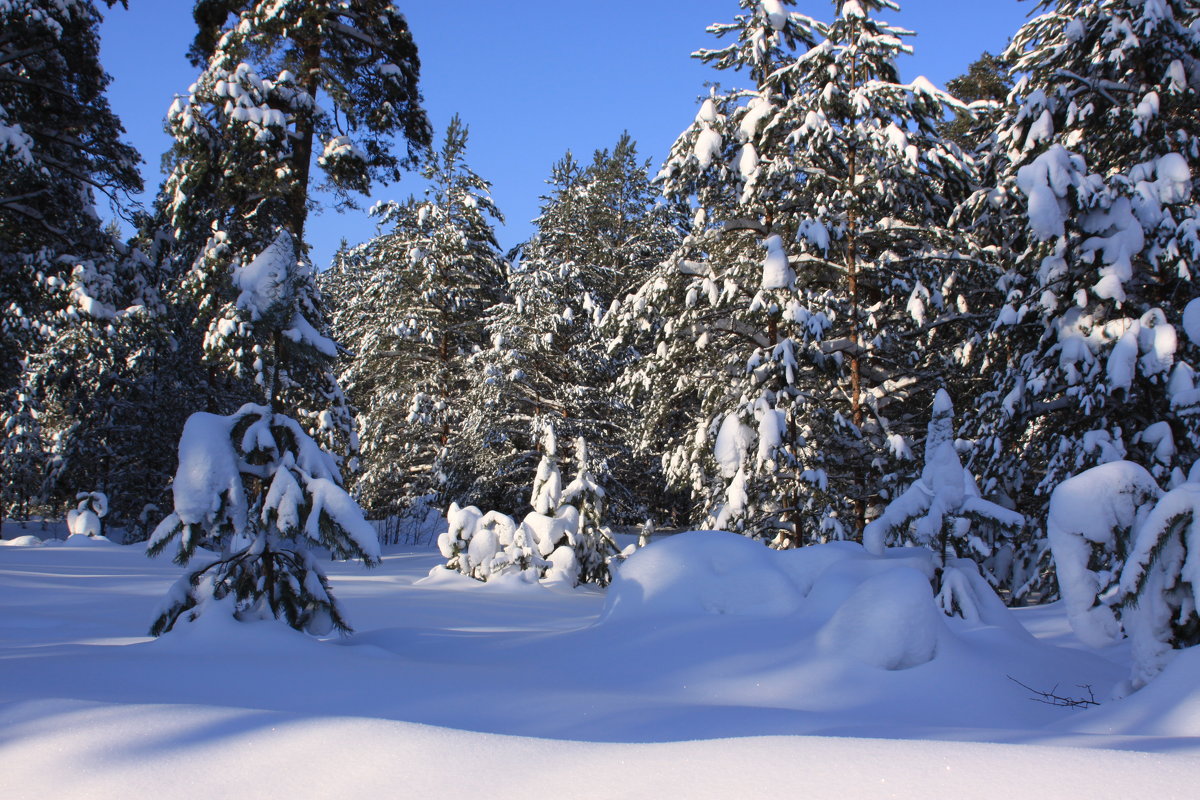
(284, 84)
(255, 488)
(347, 80)
(1093, 166)
(421, 292)
(820, 285)
(254, 485)
(76, 304)
(600, 231)
(985, 85)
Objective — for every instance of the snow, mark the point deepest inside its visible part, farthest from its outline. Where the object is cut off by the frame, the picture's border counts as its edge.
(733, 442)
(263, 281)
(1086, 512)
(668, 698)
(1045, 182)
(208, 472)
(777, 272)
(707, 147)
(1191, 320)
(1174, 178)
(776, 15)
(889, 622)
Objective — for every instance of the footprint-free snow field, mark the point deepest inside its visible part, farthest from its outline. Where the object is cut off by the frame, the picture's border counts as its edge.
(712, 667)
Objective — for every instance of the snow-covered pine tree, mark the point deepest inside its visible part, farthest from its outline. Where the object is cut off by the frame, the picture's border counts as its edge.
(60, 145)
(1126, 554)
(23, 457)
(95, 380)
(1093, 215)
(416, 316)
(256, 492)
(76, 305)
(593, 544)
(254, 486)
(345, 74)
(284, 84)
(600, 231)
(819, 285)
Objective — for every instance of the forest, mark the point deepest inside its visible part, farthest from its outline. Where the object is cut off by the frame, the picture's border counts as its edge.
(939, 339)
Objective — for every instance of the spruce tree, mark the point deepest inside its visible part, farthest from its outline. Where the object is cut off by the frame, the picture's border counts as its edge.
(806, 315)
(1094, 217)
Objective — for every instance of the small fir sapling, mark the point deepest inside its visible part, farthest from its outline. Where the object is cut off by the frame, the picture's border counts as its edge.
(942, 510)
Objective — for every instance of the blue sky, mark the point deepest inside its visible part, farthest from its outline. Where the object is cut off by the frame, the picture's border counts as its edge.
(532, 79)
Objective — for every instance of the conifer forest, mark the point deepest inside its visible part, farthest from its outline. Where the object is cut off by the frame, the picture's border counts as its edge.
(860, 424)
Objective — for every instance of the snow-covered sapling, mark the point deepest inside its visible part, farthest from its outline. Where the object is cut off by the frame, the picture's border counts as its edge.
(1128, 561)
(85, 518)
(254, 491)
(562, 539)
(591, 541)
(1160, 582)
(1090, 524)
(942, 510)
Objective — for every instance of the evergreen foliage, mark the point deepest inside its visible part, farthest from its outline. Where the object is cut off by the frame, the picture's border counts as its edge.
(985, 86)
(76, 305)
(253, 493)
(942, 510)
(562, 540)
(1094, 221)
(821, 285)
(413, 319)
(601, 231)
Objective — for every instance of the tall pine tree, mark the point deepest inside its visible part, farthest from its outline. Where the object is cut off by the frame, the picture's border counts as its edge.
(1093, 167)
(413, 320)
(806, 313)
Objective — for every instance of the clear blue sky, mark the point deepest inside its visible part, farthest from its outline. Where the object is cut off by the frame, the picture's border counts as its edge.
(532, 79)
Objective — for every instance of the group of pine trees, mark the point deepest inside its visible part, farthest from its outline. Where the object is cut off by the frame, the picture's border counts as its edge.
(750, 339)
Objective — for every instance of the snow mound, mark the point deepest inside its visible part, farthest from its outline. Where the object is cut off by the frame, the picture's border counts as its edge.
(22, 541)
(889, 621)
(878, 610)
(1168, 706)
(83, 540)
(700, 573)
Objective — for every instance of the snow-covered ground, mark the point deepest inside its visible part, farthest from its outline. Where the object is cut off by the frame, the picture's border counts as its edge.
(712, 668)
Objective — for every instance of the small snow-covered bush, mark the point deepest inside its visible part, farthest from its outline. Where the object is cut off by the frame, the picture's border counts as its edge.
(1128, 561)
(562, 539)
(254, 491)
(85, 518)
(943, 511)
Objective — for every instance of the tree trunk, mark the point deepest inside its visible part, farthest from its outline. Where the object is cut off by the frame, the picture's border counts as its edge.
(856, 410)
(304, 135)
